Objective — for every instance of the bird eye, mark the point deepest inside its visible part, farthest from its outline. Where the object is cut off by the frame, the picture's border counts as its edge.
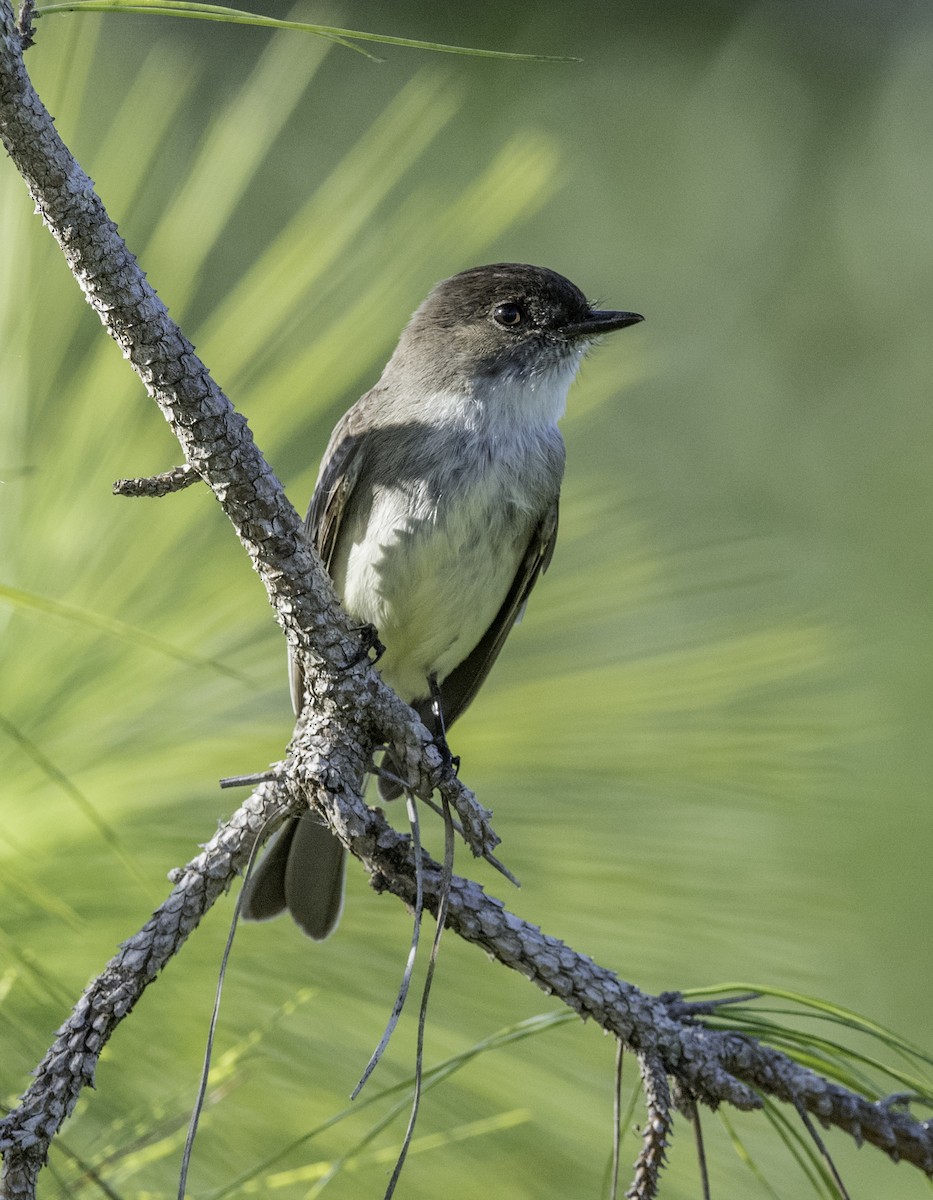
(509, 315)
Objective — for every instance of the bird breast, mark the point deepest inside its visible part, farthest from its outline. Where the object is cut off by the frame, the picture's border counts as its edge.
(429, 559)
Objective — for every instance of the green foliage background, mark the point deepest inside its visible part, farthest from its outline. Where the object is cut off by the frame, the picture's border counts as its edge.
(708, 744)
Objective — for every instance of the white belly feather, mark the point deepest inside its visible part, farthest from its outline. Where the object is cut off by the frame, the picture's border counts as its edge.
(432, 583)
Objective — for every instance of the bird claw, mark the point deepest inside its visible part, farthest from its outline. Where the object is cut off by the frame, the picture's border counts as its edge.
(369, 644)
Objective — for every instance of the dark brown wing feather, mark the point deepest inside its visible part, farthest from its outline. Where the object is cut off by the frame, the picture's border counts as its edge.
(334, 489)
(328, 504)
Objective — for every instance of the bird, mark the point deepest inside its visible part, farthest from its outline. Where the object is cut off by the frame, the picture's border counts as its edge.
(435, 512)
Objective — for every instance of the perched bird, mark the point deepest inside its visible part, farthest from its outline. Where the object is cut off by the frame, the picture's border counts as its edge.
(435, 512)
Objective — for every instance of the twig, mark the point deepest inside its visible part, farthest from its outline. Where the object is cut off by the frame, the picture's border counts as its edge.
(175, 480)
(25, 23)
(270, 775)
(651, 1159)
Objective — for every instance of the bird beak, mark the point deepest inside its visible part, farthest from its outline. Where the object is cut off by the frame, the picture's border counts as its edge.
(602, 322)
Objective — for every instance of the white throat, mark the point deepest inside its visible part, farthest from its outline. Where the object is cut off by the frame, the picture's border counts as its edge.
(511, 401)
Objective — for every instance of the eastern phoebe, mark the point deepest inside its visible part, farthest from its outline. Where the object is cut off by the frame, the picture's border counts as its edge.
(435, 511)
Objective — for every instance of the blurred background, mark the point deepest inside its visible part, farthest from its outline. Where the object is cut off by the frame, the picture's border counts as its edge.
(708, 745)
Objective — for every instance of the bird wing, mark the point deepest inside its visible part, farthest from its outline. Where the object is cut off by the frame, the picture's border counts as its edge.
(334, 489)
(462, 684)
(339, 475)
